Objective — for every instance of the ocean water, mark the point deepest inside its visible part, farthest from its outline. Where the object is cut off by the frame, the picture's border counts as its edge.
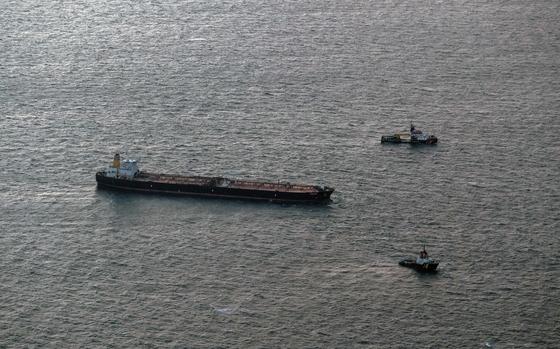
(281, 90)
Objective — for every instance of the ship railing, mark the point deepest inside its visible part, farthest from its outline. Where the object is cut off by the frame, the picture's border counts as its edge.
(181, 179)
(272, 186)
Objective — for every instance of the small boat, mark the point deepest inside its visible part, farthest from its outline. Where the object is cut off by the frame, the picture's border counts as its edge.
(413, 137)
(422, 263)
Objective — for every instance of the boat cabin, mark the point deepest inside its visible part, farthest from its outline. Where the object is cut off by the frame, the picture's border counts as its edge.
(122, 169)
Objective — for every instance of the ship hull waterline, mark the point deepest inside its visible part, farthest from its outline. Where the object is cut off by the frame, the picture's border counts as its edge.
(190, 190)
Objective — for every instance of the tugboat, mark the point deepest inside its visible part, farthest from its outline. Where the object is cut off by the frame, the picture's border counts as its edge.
(125, 175)
(413, 137)
(422, 263)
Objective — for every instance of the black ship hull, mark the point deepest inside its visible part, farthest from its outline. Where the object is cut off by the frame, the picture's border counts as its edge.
(423, 268)
(318, 195)
(432, 140)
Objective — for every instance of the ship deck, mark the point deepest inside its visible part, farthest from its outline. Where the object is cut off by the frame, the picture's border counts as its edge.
(227, 183)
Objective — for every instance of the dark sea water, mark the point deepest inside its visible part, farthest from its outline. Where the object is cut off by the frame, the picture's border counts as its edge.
(299, 91)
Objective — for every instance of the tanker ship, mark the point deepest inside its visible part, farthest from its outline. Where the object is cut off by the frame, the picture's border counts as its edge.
(125, 175)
